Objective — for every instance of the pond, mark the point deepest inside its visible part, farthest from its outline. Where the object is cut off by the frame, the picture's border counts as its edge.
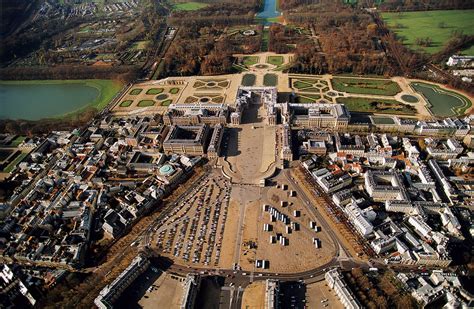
(269, 10)
(34, 100)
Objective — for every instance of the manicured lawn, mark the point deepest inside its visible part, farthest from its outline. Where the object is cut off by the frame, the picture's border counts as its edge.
(412, 25)
(17, 141)
(365, 86)
(383, 120)
(146, 103)
(250, 60)
(126, 103)
(140, 45)
(174, 90)
(166, 103)
(9, 168)
(189, 6)
(301, 84)
(155, 91)
(265, 39)
(275, 60)
(248, 80)
(443, 103)
(270, 80)
(307, 98)
(136, 91)
(310, 89)
(365, 105)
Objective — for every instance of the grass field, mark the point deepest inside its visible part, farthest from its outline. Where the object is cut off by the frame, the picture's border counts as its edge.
(17, 141)
(383, 120)
(443, 103)
(136, 91)
(412, 25)
(146, 103)
(250, 60)
(270, 80)
(174, 90)
(307, 98)
(166, 103)
(365, 105)
(189, 6)
(265, 39)
(126, 103)
(9, 168)
(275, 60)
(155, 91)
(365, 86)
(248, 80)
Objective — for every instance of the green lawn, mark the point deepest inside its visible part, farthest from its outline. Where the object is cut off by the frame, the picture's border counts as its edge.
(126, 103)
(136, 91)
(443, 103)
(301, 84)
(248, 80)
(365, 86)
(155, 91)
(365, 105)
(140, 45)
(250, 60)
(270, 80)
(166, 103)
(412, 25)
(17, 141)
(265, 39)
(174, 90)
(383, 120)
(146, 103)
(307, 98)
(275, 60)
(9, 168)
(189, 6)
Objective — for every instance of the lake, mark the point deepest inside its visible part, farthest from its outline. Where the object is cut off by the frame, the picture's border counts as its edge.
(34, 101)
(269, 10)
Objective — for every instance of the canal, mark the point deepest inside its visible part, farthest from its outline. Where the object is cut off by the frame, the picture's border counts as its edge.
(270, 10)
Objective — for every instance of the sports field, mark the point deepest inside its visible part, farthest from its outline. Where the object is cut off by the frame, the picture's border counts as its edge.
(365, 86)
(437, 25)
(189, 6)
(442, 102)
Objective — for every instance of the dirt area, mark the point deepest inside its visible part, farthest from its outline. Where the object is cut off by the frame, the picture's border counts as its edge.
(300, 253)
(254, 296)
(167, 293)
(344, 237)
(230, 231)
(317, 292)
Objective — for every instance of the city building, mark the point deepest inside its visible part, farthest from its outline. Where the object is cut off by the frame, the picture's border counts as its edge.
(335, 281)
(189, 140)
(109, 294)
(196, 114)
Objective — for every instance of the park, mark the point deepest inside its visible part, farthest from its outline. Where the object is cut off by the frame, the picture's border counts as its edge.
(439, 26)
